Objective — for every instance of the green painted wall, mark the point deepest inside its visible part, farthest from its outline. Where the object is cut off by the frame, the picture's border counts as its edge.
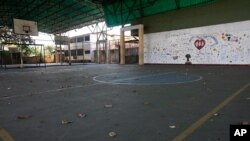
(221, 11)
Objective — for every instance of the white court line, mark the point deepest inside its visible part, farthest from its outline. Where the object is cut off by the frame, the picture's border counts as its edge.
(144, 76)
(55, 90)
(130, 78)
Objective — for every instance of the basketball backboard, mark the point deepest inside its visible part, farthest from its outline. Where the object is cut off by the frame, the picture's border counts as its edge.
(25, 27)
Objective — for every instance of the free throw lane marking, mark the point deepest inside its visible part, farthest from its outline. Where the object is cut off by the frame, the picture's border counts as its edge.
(207, 116)
(5, 136)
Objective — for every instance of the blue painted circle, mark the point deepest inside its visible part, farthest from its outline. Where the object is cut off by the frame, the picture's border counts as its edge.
(147, 78)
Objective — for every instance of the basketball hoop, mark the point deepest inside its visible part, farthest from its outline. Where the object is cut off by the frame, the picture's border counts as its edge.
(26, 29)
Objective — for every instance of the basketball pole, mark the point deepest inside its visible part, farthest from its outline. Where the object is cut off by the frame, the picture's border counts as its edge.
(21, 56)
(69, 52)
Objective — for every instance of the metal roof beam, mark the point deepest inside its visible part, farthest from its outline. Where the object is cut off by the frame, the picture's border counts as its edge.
(30, 3)
(77, 19)
(77, 11)
(47, 9)
(72, 25)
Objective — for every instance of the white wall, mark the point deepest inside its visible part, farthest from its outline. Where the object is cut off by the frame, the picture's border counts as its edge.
(218, 44)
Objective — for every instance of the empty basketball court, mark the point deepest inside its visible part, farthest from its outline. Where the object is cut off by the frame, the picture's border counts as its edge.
(139, 112)
(181, 74)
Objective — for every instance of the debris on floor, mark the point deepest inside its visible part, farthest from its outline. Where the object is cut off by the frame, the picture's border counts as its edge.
(112, 134)
(66, 122)
(245, 123)
(81, 115)
(24, 116)
(216, 114)
(8, 88)
(172, 126)
(108, 106)
(248, 98)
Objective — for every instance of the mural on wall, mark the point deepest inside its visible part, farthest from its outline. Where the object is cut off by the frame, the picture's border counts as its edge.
(218, 44)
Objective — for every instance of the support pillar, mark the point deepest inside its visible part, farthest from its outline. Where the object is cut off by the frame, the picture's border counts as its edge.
(141, 43)
(141, 46)
(69, 50)
(122, 47)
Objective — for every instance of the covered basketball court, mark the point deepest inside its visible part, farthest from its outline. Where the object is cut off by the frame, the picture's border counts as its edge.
(191, 83)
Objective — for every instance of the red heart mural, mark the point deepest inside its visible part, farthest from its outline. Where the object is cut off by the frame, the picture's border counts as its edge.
(199, 43)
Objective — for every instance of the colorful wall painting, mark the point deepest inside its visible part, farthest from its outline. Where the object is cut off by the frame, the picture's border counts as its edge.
(217, 44)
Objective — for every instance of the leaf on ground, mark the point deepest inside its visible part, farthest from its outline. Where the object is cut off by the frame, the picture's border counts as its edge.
(24, 116)
(172, 126)
(108, 106)
(81, 115)
(66, 122)
(245, 123)
(216, 114)
(112, 134)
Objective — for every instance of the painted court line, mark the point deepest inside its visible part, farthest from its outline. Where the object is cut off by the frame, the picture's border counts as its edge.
(55, 90)
(119, 81)
(207, 116)
(130, 78)
(5, 136)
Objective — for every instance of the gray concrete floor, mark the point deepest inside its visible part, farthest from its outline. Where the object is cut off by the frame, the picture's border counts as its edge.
(139, 113)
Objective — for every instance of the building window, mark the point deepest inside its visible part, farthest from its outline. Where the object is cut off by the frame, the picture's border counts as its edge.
(87, 52)
(79, 52)
(79, 39)
(72, 40)
(66, 52)
(86, 38)
(73, 53)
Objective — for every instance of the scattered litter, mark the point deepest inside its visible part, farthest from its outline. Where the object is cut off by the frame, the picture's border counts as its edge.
(81, 115)
(8, 88)
(66, 122)
(244, 123)
(216, 114)
(112, 134)
(108, 106)
(24, 116)
(172, 126)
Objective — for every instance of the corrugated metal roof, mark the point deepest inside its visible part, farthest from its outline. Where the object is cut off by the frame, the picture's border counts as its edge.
(52, 16)
(57, 16)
